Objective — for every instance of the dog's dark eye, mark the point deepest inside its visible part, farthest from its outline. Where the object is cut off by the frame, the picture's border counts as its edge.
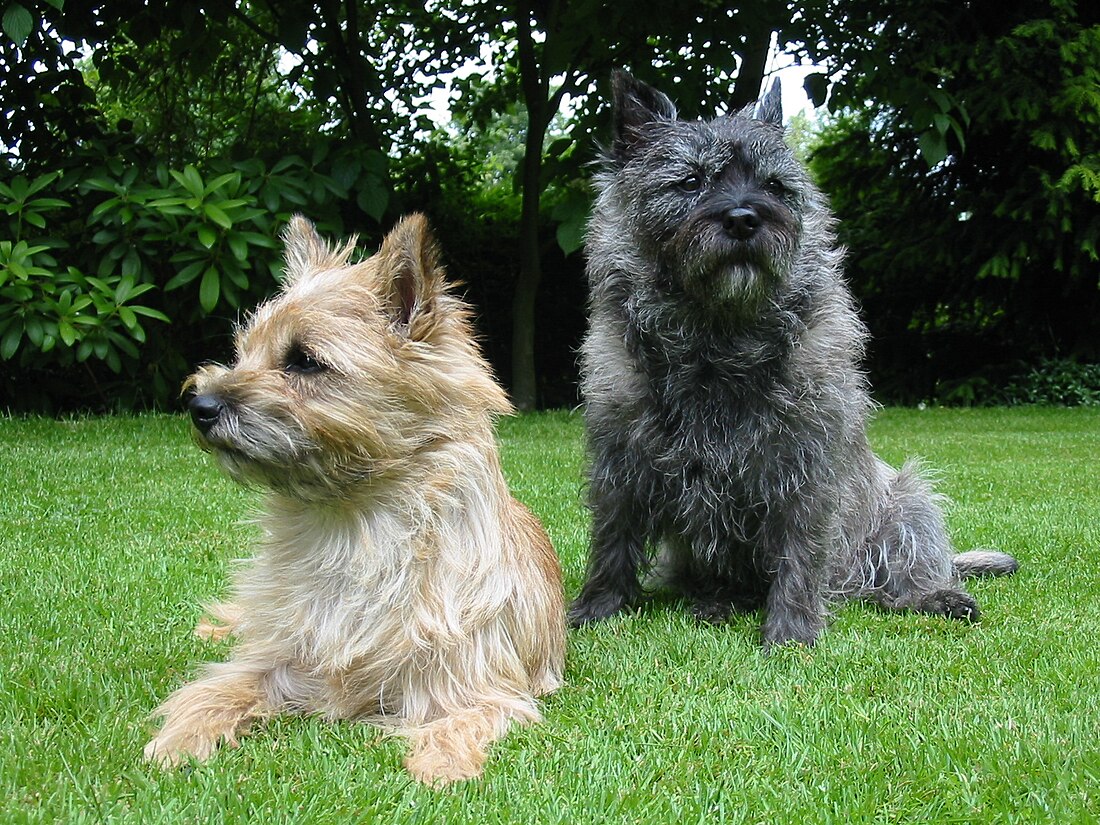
(692, 183)
(300, 361)
(774, 187)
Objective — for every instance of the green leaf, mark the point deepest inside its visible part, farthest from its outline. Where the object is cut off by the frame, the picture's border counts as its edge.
(126, 315)
(66, 331)
(345, 171)
(35, 331)
(131, 264)
(376, 163)
(217, 215)
(286, 163)
(100, 285)
(18, 23)
(933, 147)
(184, 276)
(124, 344)
(134, 291)
(41, 182)
(941, 99)
(104, 207)
(99, 184)
(256, 239)
(19, 188)
(47, 203)
(238, 245)
(137, 332)
(570, 237)
(209, 290)
(222, 180)
(373, 198)
(10, 343)
(236, 274)
(159, 203)
(192, 181)
(571, 215)
(207, 236)
(151, 313)
(123, 290)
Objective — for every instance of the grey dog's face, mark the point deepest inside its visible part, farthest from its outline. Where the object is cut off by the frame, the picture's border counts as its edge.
(717, 204)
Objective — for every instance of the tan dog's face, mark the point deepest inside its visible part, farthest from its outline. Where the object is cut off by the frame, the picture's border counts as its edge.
(338, 379)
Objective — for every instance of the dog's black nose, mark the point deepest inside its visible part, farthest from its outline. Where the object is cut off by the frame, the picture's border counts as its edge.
(205, 411)
(741, 222)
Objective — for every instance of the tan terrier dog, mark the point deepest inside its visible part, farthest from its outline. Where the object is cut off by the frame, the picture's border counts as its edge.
(397, 581)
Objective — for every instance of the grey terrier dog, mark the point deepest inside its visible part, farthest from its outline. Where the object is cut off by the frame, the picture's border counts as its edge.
(725, 407)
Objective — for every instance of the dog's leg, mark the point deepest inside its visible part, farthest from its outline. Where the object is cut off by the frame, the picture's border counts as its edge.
(453, 747)
(800, 539)
(617, 554)
(911, 554)
(219, 706)
(796, 600)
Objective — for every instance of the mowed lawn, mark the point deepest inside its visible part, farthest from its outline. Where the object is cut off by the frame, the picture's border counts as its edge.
(114, 530)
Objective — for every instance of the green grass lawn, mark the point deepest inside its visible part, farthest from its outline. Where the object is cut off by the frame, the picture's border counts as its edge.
(113, 530)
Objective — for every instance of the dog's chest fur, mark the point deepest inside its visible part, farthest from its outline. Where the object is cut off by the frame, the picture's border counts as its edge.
(719, 426)
(354, 605)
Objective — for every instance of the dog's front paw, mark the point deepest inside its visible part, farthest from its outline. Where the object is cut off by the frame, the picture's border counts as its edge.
(783, 631)
(437, 767)
(712, 611)
(592, 607)
(173, 751)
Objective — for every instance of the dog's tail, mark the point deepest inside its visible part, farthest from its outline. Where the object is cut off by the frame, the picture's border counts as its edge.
(974, 563)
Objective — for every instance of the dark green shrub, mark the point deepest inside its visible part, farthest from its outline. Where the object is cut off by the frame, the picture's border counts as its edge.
(97, 250)
(1056, 381)
(53, 313)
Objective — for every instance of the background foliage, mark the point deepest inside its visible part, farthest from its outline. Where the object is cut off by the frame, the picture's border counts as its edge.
(969, 194)
(152, 151)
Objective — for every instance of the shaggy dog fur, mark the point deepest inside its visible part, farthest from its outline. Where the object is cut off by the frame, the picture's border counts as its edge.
(725, 408)
(396, 581)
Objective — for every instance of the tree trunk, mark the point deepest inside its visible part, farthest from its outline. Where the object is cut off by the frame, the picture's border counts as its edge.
(754, 56)
(524, 386)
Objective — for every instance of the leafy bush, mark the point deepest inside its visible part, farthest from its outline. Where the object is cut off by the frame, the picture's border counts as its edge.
(1056, 381)
(97, 250)
(59, 314)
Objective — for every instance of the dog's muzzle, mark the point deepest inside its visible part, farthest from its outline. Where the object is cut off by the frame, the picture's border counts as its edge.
(205, 411)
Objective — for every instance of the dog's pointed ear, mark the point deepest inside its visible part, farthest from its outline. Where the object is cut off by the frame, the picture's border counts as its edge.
(770, 107)
(411, 278)
(307, 254)
(633, 105)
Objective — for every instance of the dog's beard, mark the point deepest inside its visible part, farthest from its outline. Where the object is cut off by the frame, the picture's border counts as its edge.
(719, 272)
(258, 451)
